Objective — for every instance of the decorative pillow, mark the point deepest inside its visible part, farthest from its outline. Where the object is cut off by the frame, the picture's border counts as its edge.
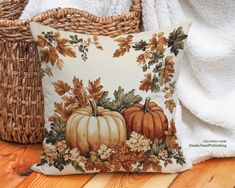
(110, 102)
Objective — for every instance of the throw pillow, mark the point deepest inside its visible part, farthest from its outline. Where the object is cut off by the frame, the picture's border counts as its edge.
(110, 102)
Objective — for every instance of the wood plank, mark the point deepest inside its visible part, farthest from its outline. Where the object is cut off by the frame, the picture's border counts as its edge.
(15, 162)
(214, 173)
(126, 180)
(36, 180)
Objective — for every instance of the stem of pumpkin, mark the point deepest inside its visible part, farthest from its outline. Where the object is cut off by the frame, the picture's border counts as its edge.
(146, 104)
(93, 107)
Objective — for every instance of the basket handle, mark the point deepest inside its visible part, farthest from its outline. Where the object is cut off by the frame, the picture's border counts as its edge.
(136, 5)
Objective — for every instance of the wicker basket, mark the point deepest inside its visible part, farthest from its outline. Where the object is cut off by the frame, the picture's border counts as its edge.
(21, 99)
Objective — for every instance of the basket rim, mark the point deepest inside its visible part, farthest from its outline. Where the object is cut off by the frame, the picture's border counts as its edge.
(61, 12)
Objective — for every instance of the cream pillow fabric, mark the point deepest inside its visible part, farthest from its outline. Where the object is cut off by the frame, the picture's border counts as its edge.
(110, 102)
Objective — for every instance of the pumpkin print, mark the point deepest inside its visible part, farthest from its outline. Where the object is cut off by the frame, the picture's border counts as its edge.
(90, 127)
(148, 119)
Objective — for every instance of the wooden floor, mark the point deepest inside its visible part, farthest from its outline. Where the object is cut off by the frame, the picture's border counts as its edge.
(15, 162)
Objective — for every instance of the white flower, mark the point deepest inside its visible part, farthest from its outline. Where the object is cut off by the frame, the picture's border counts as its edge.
(163, 154)
(49, 149)
(138, 143)
(104, 152)
(75, 156)
(61, 146)
(49, 153)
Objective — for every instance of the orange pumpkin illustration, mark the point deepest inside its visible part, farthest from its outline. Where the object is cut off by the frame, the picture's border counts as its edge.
(90, 127)
(148, 119)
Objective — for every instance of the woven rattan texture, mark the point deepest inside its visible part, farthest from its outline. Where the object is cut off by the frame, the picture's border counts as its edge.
(21, 98)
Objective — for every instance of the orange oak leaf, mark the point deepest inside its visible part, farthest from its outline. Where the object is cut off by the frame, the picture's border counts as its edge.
(170, 105)
(59, 64)
(141, 59)
(95, 89)
(157, 42)
(79, 92)
(171, 137)
(63, 48)
(61, 87)
(145, 84)
(77, 83)
(124, 45)
(69, 101)
(64, 112)
(96, 42)
(49, 55)
(168, 71)
(41, 41)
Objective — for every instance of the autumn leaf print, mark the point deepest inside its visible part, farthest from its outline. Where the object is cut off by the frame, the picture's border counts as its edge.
(170, 136)
(157, 42)
(61, 87)
(170, 105)
(63, 48)
(95, 89)
(64, 112)
(97, 43)
(41, 41)
(124, 45)
(146, 83)
(49, 55)
(176, 40)
(168, 70)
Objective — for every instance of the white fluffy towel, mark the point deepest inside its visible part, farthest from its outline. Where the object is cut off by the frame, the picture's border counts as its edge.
(207, 79)
(96, 7)
(206, 87)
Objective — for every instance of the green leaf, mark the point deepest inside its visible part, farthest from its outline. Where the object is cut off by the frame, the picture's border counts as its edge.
(121, 100)
(104, 100)
(57, 132)
(176, 40)
(77, 167)
(141, 45)
(155, 88)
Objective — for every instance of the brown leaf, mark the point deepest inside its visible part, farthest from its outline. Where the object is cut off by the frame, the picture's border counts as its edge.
(157, 42)
(96, 42)
(64, 49)
(147, 165)
(62, 46)
(170, 105)
(64, 112)
(119, 52)
(141, 59)
(41, 41)
(171, 142)
(124, 45)
(168, 71)
(77, 84)
(103, 167)
(171, 130)
(95, 89)
(89, 165)
(146, 83)
(59, 64)
(61, 87)
(79, 92)
(156, 167)
(48, 71)
(57, 35)
(49, 55)
(69, 101)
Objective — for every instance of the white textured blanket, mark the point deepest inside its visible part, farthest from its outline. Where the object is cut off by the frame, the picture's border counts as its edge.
(207, 80)
(97, 7)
